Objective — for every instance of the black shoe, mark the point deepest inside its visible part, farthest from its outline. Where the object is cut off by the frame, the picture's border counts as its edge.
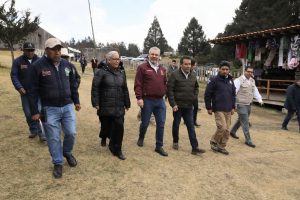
(250, 144)
(161, 151)
(121, 156)
(32, 135)
(214, 146)
(71, 160)
(234, 136)
(284, 128)
(103, 142)
(197, 151)
(223, 151)
(57, 171)
(140, 142)
(197, 125)
(175, 146)
(43, 138)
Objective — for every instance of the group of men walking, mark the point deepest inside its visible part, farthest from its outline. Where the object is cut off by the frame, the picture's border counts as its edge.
(49, 88)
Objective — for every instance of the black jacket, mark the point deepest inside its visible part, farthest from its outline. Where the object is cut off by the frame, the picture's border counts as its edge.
(20, 75)
(110, 92)
(55, 87)
(181, 91)
(220, 94)
(292, 101)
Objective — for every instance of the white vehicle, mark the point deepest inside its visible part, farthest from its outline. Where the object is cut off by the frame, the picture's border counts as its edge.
(142, 57)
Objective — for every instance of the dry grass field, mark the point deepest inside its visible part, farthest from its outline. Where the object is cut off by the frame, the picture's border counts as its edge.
(270, 171)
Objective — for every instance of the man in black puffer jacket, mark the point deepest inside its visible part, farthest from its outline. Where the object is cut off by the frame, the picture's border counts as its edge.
(182, 91)
(110, 97)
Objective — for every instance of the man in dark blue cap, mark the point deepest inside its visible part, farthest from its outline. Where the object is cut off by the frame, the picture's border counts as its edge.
(20, 78)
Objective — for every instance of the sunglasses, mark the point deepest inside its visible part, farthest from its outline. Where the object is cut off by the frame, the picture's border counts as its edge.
(30, 50)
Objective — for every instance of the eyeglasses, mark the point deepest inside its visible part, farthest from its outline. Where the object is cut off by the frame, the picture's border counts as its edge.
(115, 59)
(251, 72)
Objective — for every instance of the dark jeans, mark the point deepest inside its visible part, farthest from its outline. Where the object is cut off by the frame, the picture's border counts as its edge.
(115, 130)
(186, 114)
(195, 110)
(34, 126)
(82, 68)
(289, 116)
(243, 120)
(158, 108)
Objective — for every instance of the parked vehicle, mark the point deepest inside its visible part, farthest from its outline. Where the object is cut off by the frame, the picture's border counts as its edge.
(142, 57)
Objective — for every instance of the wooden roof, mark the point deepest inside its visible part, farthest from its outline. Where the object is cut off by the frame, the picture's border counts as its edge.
(257, 34)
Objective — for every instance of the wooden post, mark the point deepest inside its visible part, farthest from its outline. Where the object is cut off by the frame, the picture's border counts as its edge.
(268, 90)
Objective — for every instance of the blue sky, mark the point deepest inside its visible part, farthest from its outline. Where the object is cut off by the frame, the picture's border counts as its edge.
(129, 20)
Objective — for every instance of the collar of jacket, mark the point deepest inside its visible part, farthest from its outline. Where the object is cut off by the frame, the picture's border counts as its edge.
(51, 62)
(149, 66)
(181, 71)
(33, 58)
(229, 77)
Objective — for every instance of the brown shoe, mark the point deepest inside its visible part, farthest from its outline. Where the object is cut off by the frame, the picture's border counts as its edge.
(197, 151)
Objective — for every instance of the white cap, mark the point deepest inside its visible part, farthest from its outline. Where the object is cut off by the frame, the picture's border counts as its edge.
(64, 52)
(52, 42)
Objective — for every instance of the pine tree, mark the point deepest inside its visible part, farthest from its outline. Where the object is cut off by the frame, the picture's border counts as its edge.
(193, 42)
(133, 50)
(156, 38)
(15, 25)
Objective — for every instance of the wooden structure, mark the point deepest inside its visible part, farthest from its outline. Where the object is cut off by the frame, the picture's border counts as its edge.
(273, 86)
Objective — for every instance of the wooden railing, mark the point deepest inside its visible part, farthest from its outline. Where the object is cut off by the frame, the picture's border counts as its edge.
(273, 85)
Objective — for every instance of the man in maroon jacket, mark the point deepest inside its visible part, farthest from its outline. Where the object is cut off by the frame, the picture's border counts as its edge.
(149, 88)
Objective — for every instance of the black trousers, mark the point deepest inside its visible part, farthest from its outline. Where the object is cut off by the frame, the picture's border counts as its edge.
(195, 110)
(113, 128)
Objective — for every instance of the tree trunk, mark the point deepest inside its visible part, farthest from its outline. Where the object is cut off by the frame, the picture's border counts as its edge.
(12, 54)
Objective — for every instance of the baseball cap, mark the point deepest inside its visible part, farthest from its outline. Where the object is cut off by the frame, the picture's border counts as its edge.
(28, 46)
(52, 42)
(64, 52)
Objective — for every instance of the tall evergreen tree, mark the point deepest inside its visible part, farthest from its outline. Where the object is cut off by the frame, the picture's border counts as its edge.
(193, 42)
(254, 15)
(156, 38)
(133, 50)
(15, 25)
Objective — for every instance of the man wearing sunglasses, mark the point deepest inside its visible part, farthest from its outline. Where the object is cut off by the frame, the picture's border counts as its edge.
(20, 78)
(53, 80)
(245, 92)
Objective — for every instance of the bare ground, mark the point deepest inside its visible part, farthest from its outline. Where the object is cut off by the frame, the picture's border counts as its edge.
(270, 171)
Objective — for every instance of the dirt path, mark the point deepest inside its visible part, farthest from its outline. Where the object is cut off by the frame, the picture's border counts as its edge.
(270, 171)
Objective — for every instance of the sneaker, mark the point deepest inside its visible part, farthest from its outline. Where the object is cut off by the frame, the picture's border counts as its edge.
(250, 144)
(197, 151)
(57, 171)
(140, 142)
(175, 146)
(121, 156)
(161, 151)
(284, 128)
(223, 151)
(43, 138)
(71, 160)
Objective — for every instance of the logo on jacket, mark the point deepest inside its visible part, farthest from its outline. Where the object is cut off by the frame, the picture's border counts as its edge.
(46, 73)
(24, 66)
(67, 71)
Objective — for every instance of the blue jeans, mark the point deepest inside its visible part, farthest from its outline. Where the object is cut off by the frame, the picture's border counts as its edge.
(34, 126)
(158, 108)
(187, 115)
(243, 120)
(55, 117)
